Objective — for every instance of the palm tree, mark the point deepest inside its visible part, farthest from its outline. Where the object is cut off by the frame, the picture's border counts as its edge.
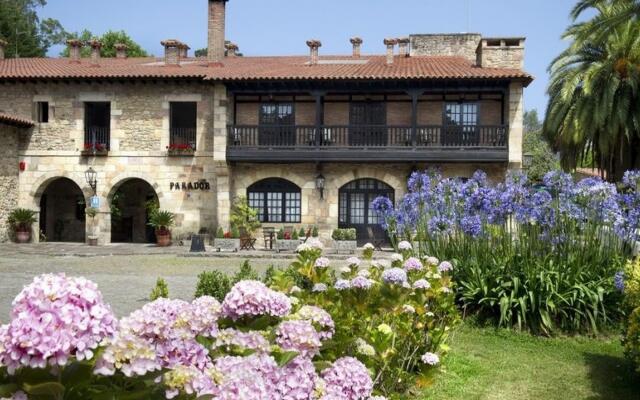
(597, 28)
(594, 104)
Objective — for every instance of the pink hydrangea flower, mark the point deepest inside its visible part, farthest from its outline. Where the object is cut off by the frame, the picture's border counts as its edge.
(412, 264)
(53, 319)
(322, 262)
(297, 380)
(298, 336)
(230, 337)
(255, 377)
(253, 298)
(445, 266)
(430, 359)
(319, 318)
(347, 379)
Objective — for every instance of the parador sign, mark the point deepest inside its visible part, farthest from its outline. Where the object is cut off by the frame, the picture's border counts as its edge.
(186, 186)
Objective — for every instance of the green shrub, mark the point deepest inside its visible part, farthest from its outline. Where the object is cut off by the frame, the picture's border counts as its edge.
(314, 231)
(280, 234)
(161, 290)
(631, 279)
(302, 234)
(344, 234)
(213, 283)
(220, 233)
(387, 326)
(162, 220)
(243, 216)
(235, 232)
(294, 235)
(632, 338)
(245, 273)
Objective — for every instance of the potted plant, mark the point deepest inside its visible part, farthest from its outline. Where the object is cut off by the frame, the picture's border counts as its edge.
(21, 220)
(314, 232)
(229, 240)
(92, 239)
(243, 217)
(344, 240)
(162, 221)
(95, 149)
(287, 241)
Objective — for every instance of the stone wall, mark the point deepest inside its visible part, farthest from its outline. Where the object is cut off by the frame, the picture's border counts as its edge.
(454, 44)
(139, 113)
(324, 212)
(501, 53)
(8, 176)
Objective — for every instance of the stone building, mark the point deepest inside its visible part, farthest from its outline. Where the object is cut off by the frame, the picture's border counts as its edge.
(309, 140)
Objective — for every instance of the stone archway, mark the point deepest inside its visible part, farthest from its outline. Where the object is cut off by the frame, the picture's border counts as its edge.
(62, 211)
(130, 202)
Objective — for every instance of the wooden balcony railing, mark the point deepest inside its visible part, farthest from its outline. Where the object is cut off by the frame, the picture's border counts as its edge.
(336, 141)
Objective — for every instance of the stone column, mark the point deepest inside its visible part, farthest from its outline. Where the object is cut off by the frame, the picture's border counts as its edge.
(96, 45)
(222, 170)
(515, 118)
(75, 46)
(403, 45)
(121, 50)
(172, 51)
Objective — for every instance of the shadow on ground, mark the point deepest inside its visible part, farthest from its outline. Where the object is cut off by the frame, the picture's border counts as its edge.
(612, 378)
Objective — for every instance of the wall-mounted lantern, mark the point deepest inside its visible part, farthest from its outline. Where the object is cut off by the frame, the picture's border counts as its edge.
(320, 185)
(92, 180)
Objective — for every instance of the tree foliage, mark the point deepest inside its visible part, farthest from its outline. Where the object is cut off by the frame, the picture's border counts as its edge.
(593, 94)
(109, 39)
(26, 34)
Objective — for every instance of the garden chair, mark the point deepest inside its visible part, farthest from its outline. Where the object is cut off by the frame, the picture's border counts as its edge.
(246, 241)
(376, 242)
(269, 237)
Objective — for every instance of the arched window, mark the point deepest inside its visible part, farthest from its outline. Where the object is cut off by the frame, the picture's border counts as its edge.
(276, 200)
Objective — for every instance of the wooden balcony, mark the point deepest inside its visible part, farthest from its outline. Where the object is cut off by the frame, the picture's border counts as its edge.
(362, 143)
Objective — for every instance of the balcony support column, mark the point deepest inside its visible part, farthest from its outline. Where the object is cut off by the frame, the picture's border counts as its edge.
(414, 93)
(319, 97)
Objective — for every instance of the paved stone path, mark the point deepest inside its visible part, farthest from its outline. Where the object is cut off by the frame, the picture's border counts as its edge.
(124, 273)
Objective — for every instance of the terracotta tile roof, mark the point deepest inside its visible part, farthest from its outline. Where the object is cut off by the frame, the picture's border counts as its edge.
(261, 68)
(15, 121)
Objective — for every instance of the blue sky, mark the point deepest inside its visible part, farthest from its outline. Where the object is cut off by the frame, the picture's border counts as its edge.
(281, 27)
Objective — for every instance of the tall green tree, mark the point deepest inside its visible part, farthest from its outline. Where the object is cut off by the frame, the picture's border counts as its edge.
(109, 40)
(594, 103)
(27, 35)
(531, 121)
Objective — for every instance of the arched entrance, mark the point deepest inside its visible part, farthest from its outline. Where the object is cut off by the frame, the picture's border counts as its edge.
(130, 204)
(355, 208)
(62, 212)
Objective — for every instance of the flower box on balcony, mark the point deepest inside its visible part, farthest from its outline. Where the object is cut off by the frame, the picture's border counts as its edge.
(180, 150)
(97, 149)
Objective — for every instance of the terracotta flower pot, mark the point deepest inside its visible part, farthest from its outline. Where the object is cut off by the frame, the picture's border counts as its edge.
(23, 236)
(163, 239)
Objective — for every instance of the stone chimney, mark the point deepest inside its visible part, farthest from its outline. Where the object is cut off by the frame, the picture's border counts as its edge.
(172, 52)
(75, 46)
(121, 50)
(446, 44)
(232, 49)
(501, 53)
(357, 44)
(215, 48)
(96, 45)
(314, 45)
(390, 43)
(184, 50)
(403, 46)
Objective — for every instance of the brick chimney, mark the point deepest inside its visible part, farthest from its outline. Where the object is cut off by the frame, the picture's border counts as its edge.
(96, 45)
(75, 46)
(314, 45)
(357, 43)
(390, 43)
(232, 49)
(215, 48)
(121, 50)
(3, 46)
(403, 46)
(172, 52)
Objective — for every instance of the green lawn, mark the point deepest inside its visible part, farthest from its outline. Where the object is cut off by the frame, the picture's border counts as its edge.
(495, 364)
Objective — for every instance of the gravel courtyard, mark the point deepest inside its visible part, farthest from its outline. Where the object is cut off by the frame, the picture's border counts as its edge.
(125, 280)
